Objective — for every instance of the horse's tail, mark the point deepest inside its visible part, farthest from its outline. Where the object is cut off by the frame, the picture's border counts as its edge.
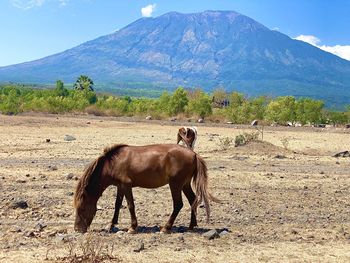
(89, 181)
(200, 181)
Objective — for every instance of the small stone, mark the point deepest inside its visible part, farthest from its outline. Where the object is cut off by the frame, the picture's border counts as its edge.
(70, 193)
(294, 232)
(52, 168)
(40, 226)
(223, 233)
(139, 247)
(200, 120)
(254, 123)
(27, 175)
(44, 186)
(48, 140)
(211, 234)
(69, 176)
(279, 156)
(149, 118)
(21, 181)
(19, 204)
(69, 138)
(29, 234)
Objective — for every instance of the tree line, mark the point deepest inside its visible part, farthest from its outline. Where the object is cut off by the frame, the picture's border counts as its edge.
(220, 106)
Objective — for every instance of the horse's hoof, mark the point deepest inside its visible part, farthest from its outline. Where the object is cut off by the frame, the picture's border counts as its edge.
(132, 231)
(164, 231)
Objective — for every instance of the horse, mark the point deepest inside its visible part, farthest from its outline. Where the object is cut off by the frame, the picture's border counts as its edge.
(149, 166)
(188, 135)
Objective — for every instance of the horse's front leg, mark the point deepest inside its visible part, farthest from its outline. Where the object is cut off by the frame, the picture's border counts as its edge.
(118, 204)
(130, 200)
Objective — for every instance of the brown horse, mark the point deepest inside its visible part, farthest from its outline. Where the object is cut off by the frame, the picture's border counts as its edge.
(149, 166)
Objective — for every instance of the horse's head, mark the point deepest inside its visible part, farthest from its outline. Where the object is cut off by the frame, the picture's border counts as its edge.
(86, 196)
(85, 210)
(188, 135)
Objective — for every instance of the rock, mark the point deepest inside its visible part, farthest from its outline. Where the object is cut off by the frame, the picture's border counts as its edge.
(21, 181)
(200, 120)
(139, 247)
(44, 186)
(149, 118)
(29, 234)
(254, 123)
(40, 226)
(229, 122)
(342, 154)
(223, 233)
(289, 124)
(69, 138)
(70, 193)
(48, 140)
(52, 168)
(69, 176)
(173, 119)
(19, 204)
(211, 234)
(279, 156)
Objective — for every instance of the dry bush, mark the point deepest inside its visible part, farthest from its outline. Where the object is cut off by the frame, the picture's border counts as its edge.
(93, 110)
(246, 137)
(90, 248)
(224, 143)
(285, 142)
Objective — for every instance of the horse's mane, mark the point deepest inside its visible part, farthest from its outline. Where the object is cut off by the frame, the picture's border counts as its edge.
(89, 181)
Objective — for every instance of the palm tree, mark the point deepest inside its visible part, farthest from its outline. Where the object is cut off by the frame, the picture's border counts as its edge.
(84, 83)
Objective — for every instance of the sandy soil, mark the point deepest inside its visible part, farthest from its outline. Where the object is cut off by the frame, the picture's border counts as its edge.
(285, 199)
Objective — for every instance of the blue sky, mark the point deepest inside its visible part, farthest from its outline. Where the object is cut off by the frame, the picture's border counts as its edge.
(32, 29)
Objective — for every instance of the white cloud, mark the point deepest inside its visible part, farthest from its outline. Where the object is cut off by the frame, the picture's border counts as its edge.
(63, 2)
(338, 50)
(28, 4)
(148, 10)
(309, 39)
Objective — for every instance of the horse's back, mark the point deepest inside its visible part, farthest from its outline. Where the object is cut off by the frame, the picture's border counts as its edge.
(155, 165)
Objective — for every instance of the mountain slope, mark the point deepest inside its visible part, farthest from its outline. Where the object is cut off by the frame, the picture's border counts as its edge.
(208, 49)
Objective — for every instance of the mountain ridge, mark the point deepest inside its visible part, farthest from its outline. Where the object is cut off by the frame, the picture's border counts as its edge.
(207, 49)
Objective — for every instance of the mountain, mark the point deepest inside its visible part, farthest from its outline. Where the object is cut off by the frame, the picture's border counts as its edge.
(208, 49)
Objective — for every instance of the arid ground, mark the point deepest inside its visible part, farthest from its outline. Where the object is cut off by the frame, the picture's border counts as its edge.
(284, 199)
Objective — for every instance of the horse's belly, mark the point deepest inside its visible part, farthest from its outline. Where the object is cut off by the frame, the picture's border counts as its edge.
(150, 180)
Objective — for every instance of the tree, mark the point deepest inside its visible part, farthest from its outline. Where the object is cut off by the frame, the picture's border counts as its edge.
(281, 110)
(60, 90)
(84, 83)
(178, 101)
(309, 110)
(200, 104)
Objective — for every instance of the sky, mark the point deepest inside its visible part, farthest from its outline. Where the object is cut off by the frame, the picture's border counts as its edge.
(32, 29)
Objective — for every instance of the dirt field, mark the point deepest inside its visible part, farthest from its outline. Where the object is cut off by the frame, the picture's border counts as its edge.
(285, 199)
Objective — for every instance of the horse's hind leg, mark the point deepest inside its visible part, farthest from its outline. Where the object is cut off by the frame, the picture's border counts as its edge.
(118, 204)
(177, 205)
(130, 200)
(191, 197)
